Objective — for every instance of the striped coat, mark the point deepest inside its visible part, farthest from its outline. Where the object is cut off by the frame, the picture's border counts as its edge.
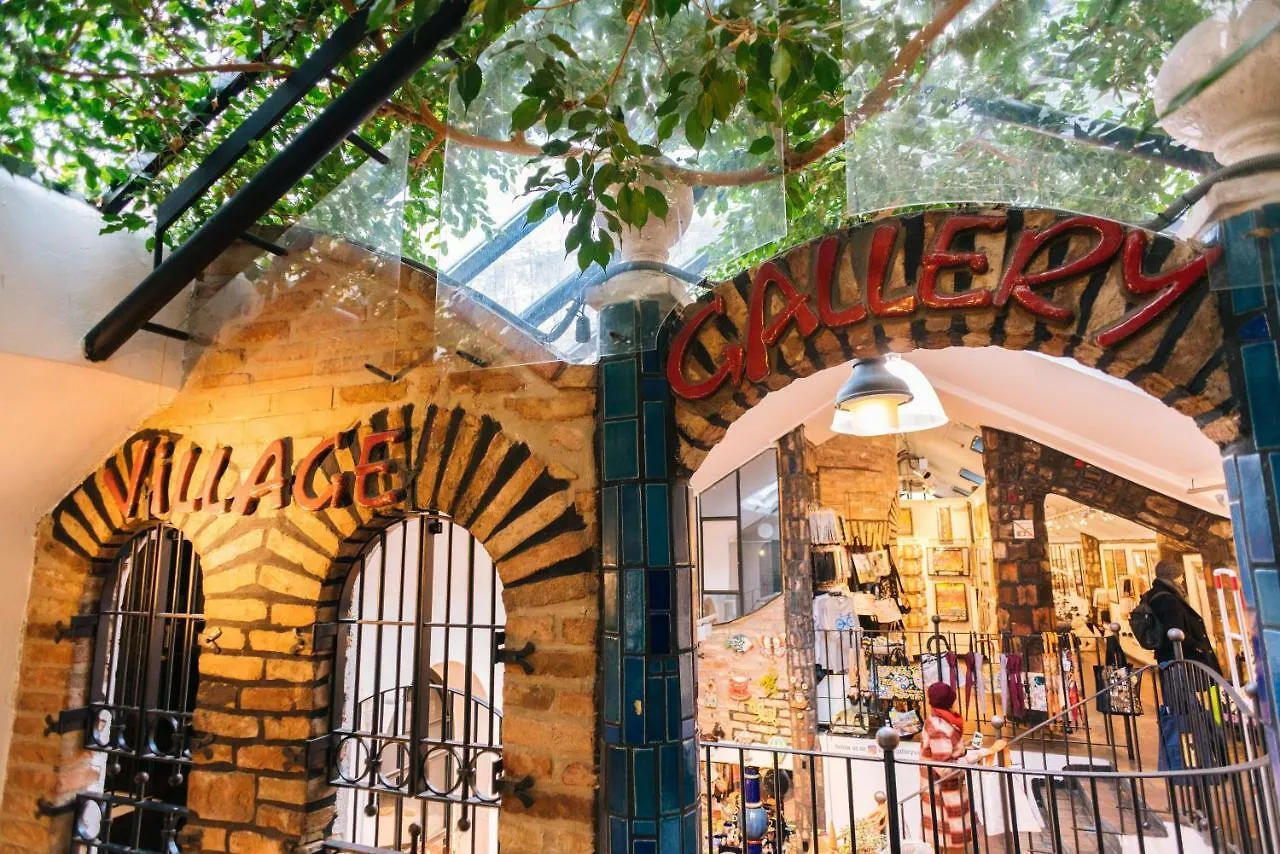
(944, 797)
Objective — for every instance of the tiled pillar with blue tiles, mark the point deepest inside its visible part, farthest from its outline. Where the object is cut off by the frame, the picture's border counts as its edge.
(1251, 314)
(649, 758)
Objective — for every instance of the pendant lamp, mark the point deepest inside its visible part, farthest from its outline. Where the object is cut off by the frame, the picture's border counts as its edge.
(886, 395)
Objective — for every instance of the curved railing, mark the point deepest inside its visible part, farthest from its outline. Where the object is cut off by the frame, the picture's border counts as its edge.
(1164, 759)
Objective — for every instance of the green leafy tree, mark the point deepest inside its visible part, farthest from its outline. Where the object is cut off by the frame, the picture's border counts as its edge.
(599, 106)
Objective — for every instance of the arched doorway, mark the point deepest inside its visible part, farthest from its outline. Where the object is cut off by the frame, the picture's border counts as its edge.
(415, 746)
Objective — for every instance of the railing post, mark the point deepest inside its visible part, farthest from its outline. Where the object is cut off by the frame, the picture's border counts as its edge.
(888, 739)
(1176, 637)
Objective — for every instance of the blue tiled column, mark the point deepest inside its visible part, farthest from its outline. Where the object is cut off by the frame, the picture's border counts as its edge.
(650, 762)
(1251, 316)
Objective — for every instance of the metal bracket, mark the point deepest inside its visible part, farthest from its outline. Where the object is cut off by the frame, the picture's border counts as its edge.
(68, 720)
(518, 657)
(48, 809)
(323, 636)
(81, 626)
(518, 789)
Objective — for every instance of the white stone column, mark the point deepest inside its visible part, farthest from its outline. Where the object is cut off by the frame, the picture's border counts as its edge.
(1237, 117)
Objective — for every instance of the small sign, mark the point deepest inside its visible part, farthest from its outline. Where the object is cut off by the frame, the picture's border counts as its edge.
(1024, 529)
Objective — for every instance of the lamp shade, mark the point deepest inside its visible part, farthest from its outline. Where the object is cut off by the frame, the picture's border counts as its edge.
(869, 401)
(924, 411)
(884, 396)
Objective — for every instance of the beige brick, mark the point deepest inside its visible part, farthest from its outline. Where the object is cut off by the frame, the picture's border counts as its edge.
(268, 757)
(222, 795)
(239, 667)
(224, 725)
(293, 615)
(282, 790)
(249, 842)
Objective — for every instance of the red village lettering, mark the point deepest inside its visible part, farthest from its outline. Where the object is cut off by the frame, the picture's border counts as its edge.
(1026, 279)
(166, 471)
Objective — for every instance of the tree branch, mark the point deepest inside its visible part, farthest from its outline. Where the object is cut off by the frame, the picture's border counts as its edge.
(161, 73)
(873, 103)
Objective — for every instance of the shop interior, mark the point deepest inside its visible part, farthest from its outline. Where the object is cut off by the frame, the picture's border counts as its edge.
(904, 577)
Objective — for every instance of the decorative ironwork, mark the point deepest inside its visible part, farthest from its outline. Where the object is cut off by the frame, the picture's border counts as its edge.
(145, 678)
(416, 741)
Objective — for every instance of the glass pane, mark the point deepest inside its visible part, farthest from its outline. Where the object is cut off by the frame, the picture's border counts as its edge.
(759, 479)
(721, 608)
(1047, 104)
(761, 535)
(721, 499)
(720, 555)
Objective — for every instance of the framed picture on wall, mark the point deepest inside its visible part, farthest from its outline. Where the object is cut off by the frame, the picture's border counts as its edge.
(949, 560)
(951, 601)
(906, 522)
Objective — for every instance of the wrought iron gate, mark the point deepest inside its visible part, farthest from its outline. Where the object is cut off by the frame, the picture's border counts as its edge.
(415, 743)
(142, 696)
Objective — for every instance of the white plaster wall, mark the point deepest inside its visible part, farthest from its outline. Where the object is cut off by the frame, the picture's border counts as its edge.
(59, 415)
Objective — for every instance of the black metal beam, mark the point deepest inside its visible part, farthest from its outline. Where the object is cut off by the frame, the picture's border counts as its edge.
(280, 174)
(267, 115)
(1099, 133)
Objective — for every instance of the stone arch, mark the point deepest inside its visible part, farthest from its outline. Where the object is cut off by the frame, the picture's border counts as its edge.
(1135, 305)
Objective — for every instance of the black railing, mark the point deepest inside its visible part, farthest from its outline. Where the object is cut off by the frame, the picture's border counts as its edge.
(1192, 776)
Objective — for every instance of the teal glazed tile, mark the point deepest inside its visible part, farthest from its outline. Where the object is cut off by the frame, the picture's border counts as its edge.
(644, 828)
(644, 846)
(633, 610)
(669, 841)
(1262, 386)
(1271, 642)
(673, 708)
(616, 765)
(612, 681)
(1268, 587)
(1245, 300)
(646, 782)
(655, 439)
(1242, 551)
(655, 710)
(688, 771)
(609, 526)
(659, 589)
(660, 634)
(633, 698)
(654, 388)
(1243, 258)
(632, 526)
(684, 621)
(690, 822)
(1256, 503)
(669, 796)
(686, 684)
(619, 389)
(658, 523)
(619, 842)
(621, 450)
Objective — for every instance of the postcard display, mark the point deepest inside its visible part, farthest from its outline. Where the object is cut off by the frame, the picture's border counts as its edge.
(860, 610)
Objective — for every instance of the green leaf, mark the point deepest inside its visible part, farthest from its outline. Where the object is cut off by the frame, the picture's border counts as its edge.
(494, 17)
(424, 9)
(554, 120)
(470, 79)
(562, 45)
(827, 72)
(380, 13)
(780, 66)
(571, 169)
(695, 132)
(657, 202)
(763, 145)
(555, 147)
(525, 114)
(668, 125)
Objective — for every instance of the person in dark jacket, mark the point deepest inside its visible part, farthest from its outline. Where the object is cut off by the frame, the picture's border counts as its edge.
(1168, 599)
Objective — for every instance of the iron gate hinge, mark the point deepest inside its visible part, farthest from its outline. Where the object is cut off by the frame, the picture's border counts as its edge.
(81, 626)
(512, 656)
(68, 720)
(323, 636)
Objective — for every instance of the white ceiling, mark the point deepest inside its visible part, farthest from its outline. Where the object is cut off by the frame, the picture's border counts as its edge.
(1110, 423)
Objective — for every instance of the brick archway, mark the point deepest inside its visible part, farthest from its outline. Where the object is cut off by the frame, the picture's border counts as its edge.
(1135, 305)
(267, 575)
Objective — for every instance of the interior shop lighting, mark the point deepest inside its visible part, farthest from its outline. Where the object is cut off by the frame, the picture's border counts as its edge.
(886, 395)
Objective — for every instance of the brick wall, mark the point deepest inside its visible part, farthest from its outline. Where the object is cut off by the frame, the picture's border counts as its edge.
(506, 451)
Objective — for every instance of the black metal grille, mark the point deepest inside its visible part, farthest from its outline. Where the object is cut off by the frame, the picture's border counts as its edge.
(415, 745)
(145, 678)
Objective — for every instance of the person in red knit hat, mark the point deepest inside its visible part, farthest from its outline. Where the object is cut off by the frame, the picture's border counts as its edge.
(944, 797)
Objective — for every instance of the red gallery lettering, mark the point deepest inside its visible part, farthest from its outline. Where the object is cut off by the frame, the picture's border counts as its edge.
(167, 480)
(1031, 291)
